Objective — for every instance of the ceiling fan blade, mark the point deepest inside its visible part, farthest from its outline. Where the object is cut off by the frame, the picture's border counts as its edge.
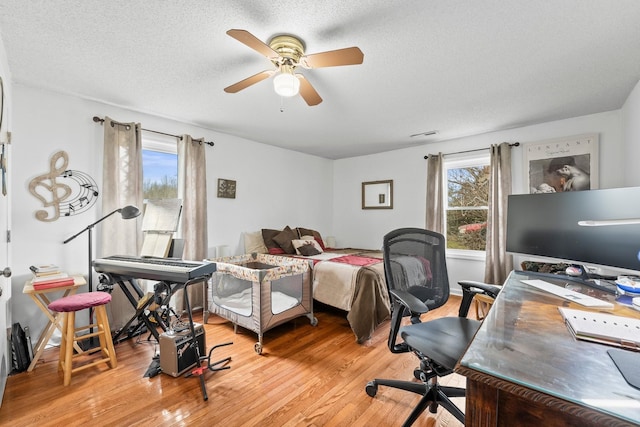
(307, 92)
(243, 84)
(253, 42)
(333, 58)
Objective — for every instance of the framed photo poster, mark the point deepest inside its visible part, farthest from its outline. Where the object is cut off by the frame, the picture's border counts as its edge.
(564, 164)
(226, 188)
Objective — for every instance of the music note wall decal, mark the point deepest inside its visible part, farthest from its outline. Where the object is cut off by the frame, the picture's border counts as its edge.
(63, 191)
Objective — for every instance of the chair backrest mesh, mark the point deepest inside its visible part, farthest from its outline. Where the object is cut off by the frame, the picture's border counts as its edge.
(415, 261)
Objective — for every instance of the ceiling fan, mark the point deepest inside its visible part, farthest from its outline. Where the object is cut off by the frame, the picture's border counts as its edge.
(287, 53)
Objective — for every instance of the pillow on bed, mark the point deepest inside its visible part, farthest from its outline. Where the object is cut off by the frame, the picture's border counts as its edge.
(284, 238)
(308, 232)
(254, 243)
(272, 247)
(306, 247)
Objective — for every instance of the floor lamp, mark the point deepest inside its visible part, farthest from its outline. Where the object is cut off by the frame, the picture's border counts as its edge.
(127, 212)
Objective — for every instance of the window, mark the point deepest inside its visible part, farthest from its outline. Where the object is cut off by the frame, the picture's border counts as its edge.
(466, 203)
(159, 169)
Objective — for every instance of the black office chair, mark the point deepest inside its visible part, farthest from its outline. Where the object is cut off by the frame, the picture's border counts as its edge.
(416, 274)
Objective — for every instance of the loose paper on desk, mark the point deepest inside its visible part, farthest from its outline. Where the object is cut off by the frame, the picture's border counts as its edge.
(568, 294)
(602, 327)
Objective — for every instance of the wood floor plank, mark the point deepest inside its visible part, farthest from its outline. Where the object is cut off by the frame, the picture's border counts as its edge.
(306, 376)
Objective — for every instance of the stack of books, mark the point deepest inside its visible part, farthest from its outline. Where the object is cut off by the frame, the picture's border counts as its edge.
(49, 276)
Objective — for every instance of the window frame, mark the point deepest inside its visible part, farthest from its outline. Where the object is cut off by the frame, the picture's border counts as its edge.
(457, 162)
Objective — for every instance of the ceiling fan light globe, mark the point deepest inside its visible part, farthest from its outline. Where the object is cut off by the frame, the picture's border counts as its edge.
(286, 84)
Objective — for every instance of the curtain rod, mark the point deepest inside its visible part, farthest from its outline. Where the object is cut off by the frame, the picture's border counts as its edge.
(101, 121)
(515, 144)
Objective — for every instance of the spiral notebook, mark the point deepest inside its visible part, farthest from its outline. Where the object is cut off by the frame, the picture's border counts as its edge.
(604, 328)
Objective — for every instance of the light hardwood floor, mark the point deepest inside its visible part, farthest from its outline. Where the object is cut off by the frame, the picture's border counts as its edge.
(306, 376)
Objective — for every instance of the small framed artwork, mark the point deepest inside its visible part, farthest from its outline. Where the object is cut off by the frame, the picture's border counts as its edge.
(564, 164)
(377, 194)
(226, 188)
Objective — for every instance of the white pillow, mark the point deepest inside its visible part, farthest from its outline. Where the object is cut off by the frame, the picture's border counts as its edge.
(297, 244)
(254, 243)
(310, 237)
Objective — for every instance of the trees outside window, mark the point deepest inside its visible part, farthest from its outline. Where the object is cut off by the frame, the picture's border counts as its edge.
(159, 170)
(467, 203)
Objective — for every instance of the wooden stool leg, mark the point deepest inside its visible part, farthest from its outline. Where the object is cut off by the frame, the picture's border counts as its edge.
(106, 342)
(63, 341)
(70, 322)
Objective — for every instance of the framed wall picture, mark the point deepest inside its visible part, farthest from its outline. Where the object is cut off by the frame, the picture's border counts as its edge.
(226, 188)
(563, 164)
(377, 194)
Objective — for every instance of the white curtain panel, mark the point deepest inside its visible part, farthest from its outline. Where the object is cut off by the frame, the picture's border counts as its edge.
(192, 189)
(499, 263)
(435, 194)
(121, 186)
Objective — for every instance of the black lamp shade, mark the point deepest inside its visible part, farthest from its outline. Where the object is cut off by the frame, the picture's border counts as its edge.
(129, 212)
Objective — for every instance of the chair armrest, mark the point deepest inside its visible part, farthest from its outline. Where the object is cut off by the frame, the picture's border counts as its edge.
(413, 304)
(404, 304)
(490, 290)
(469, 289)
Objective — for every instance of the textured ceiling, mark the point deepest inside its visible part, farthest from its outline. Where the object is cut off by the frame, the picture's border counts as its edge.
(458, 67)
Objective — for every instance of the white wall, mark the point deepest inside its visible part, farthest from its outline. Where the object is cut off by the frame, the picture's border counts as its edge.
(271, 193)
(631, 136)
(355, 227)
(275, 187)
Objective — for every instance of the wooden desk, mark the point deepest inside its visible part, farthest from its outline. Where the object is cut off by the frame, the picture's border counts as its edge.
(42, 301)
(524, 367)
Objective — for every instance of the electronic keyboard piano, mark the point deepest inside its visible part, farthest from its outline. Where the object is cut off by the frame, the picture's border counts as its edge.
(162, 269)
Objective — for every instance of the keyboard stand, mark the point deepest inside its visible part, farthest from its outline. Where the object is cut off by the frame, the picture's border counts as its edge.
(140, 315)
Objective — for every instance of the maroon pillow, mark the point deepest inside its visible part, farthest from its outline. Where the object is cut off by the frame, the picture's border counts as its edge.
(276, 251)
(284, 238)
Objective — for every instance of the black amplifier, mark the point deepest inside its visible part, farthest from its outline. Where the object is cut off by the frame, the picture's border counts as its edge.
(176, 355)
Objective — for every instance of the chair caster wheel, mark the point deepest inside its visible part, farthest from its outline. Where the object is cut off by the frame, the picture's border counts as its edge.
(314, 321)
(258, 348)
(371, 388)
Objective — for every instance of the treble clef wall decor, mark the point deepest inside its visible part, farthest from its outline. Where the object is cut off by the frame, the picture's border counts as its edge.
(63, 191)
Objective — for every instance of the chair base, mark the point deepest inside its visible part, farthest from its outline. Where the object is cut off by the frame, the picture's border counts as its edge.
(103, 332)
(433, 395)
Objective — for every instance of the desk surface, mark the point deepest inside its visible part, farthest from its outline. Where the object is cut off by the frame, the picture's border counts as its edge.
(524, 342)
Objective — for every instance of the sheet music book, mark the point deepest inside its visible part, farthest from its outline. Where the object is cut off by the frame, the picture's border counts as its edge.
(603, 328)
(162, 215)
(568, 294)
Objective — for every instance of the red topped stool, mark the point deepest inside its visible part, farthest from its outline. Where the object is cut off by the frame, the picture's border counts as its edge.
(69, 305)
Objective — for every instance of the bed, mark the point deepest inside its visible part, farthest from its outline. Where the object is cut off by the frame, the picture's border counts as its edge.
(348, 279)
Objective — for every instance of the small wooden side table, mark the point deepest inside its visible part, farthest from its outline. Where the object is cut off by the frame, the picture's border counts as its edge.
(55, 319)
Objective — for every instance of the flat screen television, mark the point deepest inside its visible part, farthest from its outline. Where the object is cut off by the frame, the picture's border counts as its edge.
(586, 227)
